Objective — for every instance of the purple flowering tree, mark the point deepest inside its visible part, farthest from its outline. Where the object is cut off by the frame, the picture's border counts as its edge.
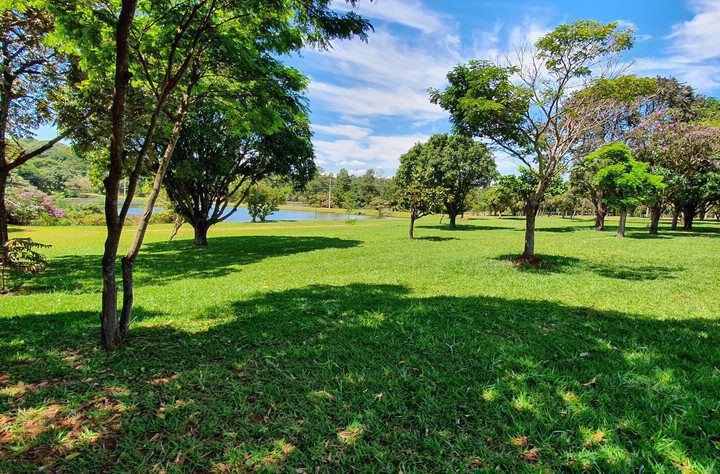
(687, 154)
(28, 205)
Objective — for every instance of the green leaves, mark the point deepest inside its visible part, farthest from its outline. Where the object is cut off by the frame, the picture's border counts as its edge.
(569, 49)
(483, 101)
(625, 182)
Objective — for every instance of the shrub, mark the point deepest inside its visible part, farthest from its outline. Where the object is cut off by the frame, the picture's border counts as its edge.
(19, 256)
(28, 205)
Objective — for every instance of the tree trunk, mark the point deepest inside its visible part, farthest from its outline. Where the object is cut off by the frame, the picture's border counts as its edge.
(128, 262)
(412, 228)
(600, 213)
(4, 232)
(675, 217)
(453, 219)
(621, 226)
(689, 212)
(110, 330)
(201, 230)
(531, 210)
(655, 212)
(109, 324)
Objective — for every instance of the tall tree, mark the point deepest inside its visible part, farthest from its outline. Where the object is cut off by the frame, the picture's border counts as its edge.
(624, 100)
(687, 154)
(522, 107)
(627, 101)
(160, 56)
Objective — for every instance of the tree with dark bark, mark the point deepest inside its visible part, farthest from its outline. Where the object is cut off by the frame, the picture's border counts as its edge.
(687, 154)
(624, 181)
(217, 160)
(626, 101)
(159, 56)
(522, 106)
(32, 76)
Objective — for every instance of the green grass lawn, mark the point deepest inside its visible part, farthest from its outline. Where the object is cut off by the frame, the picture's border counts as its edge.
(296, 346)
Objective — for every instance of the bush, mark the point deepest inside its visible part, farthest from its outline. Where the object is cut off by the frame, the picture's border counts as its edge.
(262, 200)
(168, 216)
(20, 257)
(26, 206)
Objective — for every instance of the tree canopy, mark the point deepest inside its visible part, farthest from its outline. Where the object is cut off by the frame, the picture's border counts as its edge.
(522, 106)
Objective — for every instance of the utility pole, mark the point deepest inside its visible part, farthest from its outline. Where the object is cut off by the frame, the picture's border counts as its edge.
(330, 192)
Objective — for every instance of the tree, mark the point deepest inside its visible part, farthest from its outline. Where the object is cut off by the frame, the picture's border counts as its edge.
(522, 107)
(458, 165)
(32, 76)
(627, 101)
(687, 154)
(159, 57)
(262, 200)
(585, 172)
(624, 181)
(417, 191)
(223, 153)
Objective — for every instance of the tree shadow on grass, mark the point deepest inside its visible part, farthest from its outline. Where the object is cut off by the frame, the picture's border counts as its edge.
(434, 238)
(711, 232)
(464, 227)
(562, 264)
(367, 376)
(548, 264)
(162, 262)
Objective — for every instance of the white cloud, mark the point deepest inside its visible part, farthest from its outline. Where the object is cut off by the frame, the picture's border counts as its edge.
(349, 131)
(389, 77)
(697, 39)
(693, 47)
(375, 101)
(374, 151)
(410, 13)
(353, 163)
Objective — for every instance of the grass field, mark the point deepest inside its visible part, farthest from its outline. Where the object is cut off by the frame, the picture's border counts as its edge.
(337, 346)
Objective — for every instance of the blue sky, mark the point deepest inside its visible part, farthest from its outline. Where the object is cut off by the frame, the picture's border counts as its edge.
(369, 102)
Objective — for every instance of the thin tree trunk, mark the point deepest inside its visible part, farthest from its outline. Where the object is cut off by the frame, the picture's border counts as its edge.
(531, 210)
(675, 218)
(621, 227)
(453, 219)
(655, 212)
(4, 232)
(412, 228)
(128, 262)
(110, 331)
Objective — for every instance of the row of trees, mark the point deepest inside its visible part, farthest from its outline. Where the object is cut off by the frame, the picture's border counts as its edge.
(123, 79)
(345, 191)
(560, 106)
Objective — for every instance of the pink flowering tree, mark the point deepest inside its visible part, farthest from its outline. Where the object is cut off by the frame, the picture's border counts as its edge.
(28, 205)
(687, 154)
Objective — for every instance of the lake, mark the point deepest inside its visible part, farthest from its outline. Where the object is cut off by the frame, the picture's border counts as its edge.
(242, 215)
